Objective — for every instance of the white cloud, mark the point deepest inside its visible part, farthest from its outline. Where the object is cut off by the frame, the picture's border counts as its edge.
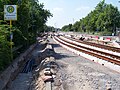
(83, 8)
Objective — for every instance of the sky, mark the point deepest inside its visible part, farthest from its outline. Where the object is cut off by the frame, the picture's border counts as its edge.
(69, 11)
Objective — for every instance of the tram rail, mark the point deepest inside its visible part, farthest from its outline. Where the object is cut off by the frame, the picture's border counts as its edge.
(99, 54)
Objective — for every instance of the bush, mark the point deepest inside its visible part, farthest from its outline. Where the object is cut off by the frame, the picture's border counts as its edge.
(5, 59)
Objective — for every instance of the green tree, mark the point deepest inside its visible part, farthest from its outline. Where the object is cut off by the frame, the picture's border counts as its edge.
(102, 20)
(5, 59)
(31, 20)
(67, 28)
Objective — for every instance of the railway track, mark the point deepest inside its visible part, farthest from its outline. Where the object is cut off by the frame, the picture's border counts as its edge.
(114, 59)
(114, 49)
(103, 51)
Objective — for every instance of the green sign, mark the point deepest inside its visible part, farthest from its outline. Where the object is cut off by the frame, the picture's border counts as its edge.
(10, 9)
(10, 12)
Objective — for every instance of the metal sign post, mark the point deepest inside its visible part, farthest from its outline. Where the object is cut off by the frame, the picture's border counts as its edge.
(11, 39)
(10, 14)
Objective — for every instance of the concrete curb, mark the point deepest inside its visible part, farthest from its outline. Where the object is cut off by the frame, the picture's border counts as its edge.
(12, 71)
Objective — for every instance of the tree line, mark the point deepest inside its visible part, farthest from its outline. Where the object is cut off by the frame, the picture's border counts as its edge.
(31, 20)
(103, 20)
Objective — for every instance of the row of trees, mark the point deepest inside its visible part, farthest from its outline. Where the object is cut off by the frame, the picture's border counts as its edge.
(31, 20)
(103, 20)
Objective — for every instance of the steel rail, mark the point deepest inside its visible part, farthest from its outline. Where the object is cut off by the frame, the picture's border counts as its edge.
(105, 53)
(115, 49)
(89, 52)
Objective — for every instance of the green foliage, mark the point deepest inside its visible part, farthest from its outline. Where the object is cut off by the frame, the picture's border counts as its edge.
(103, 19)
(31, 20)
(49, 28)
(67, 28)
(75, 26)
(4, 48)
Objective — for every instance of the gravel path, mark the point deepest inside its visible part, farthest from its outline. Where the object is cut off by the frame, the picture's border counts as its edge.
(74, 73)
(23, 80)
(78, 73)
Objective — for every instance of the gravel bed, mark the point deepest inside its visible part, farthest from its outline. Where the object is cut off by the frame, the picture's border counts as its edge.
(74, 73)
(77, 73)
